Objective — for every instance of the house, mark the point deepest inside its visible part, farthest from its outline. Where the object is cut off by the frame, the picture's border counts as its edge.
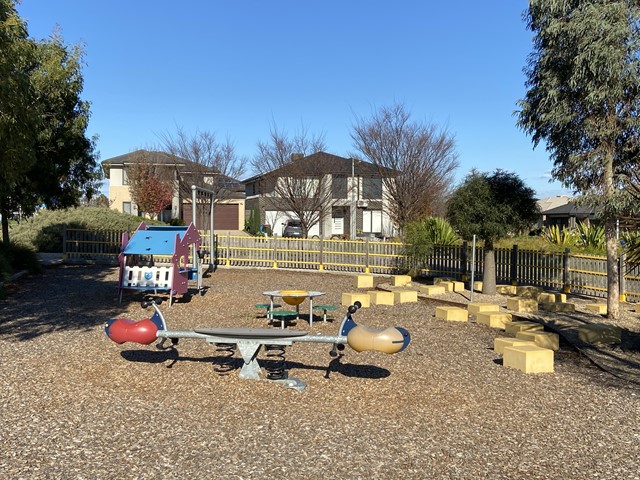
(568, 215)
(349, 196)
(229, 208)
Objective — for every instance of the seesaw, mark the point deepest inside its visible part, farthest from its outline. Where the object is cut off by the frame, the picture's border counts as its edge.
(249, 341)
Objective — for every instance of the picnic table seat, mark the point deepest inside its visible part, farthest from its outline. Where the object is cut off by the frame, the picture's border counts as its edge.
(325, 309)
(283, 316)
(267, 308)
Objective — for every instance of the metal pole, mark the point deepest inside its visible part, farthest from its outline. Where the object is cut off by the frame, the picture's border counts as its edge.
(352, 215)
(473, 267)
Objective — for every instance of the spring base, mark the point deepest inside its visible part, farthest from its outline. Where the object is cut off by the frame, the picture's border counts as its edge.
(275, 370)
(225, 362)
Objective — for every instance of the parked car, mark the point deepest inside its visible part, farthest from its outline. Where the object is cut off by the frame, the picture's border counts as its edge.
(293, 229)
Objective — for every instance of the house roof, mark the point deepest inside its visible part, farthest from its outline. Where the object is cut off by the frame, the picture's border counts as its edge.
(553, 202)
(328, 163)
(570, 209)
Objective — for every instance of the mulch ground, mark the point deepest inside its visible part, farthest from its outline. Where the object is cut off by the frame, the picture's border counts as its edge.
(76, 405)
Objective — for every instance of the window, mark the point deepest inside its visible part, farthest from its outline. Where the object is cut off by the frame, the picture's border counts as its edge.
(126, 207)
(125, 177)
(371, 188)
(372, 221)
(339, 186)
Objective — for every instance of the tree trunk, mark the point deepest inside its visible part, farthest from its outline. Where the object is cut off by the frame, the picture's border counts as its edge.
(613, 282)
(5, 226)
(489, 272)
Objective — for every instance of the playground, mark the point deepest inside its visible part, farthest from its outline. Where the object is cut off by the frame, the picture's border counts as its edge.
(77, 405)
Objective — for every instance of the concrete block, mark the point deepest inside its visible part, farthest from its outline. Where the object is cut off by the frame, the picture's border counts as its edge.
(476, 307)
(379, 297)
(431, 290)
(557, 307)
(350, 298)
(528, 359)
(506, 289)
(599, 308)
(546, 297)
(400, 280)
(519, 304)
(477, 286)
(364, 281)
(493, 319)
(548, 340)
(597, 333)
(521, 326)
(458, 286)
(528, 291)
(405, 296)
(448, 286)
(452, 314)
(499, 343)
(438, 280)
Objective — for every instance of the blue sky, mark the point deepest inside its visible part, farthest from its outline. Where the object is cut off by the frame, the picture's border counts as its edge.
(237, 67)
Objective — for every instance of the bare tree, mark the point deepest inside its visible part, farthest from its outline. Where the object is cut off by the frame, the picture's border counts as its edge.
(421, 157)
(296, 180)
(209, 163)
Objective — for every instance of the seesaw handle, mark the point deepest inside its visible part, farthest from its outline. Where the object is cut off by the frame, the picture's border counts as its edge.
(389, 340)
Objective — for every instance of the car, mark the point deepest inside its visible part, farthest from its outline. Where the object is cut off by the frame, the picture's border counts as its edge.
(293, 229)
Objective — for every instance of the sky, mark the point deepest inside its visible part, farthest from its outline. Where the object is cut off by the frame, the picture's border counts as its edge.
(238, 68)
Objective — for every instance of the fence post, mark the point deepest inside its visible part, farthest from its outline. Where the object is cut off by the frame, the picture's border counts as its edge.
(64, 242)
(366, 255)
(228, 259)
(275, 254)
(566, 288)
(321, 253)
(621, 269)
(514, 265)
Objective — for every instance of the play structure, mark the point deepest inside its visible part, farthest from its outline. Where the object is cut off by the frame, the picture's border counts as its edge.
(138, 256)
(250, 340)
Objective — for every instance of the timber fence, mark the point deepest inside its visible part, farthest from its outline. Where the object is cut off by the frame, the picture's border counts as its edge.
(564, 271)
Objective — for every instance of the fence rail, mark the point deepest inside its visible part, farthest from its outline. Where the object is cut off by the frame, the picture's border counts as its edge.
(580, 274)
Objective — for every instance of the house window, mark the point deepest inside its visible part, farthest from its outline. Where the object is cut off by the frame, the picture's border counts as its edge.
(372, 221)
(126, 207)
(125, 177)
(339, 186)
(371, 188)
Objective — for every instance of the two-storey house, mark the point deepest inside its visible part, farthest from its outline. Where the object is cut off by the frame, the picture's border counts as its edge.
(229, 209)
(343, 196)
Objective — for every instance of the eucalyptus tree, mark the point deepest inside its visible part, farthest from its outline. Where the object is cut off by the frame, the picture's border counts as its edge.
(491, 206)
(583, 99)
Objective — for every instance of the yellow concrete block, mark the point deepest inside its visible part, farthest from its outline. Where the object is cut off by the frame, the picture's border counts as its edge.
(499, 343)
(521, 326)
(519, 304)
(400, 280)
(545, 297)
(557, 307)
(364, 281)
(548, 340)
(439, 280)
(458, 286)
(430, 290)
(379, 297)
(528, 358)
(476, 307)
(528, 291)
(493, 319)
(448, 286)
(452, 314)
(599, 333)
(350, 298)
(506, 289)
(599, 308)
(405, 296)
(477, 286)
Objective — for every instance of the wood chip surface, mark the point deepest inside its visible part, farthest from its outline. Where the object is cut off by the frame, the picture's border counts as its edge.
(76, 405)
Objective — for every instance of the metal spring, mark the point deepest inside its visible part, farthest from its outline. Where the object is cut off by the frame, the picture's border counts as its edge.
(275, 370)
(225, 360)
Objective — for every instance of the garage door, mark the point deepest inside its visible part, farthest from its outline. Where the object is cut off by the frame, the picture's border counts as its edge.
(226, 216)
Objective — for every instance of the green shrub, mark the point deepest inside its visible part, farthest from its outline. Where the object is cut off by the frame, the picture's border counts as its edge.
(43, 231)
(556, 235)
(15, 258)
(591, 237)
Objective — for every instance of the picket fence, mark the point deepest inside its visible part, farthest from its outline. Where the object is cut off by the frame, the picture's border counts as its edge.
(578, 274)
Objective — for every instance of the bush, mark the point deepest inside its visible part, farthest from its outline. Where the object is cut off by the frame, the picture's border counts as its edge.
(43, 231)
(15, 258)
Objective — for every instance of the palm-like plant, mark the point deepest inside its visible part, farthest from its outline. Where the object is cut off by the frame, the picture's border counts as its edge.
(559, 236)
(590, 236)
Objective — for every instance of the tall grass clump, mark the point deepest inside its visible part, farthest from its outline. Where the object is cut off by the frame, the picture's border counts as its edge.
(420, 237)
